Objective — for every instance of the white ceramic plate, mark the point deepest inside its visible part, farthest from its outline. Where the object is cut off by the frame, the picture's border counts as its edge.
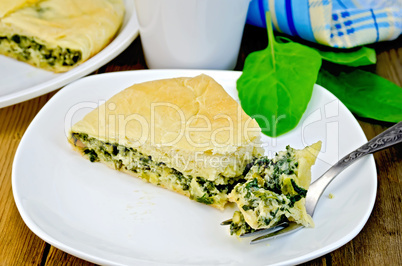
(20, 82)
(108, 217)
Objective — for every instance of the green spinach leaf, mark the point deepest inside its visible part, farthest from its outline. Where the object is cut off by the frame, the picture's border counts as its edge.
(362, 57)
(277, 83)
(354, 57)
(365, 94)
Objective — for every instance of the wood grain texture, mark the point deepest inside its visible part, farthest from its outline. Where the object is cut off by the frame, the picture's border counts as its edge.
(18, 245)
(58, 257)
(379, 242)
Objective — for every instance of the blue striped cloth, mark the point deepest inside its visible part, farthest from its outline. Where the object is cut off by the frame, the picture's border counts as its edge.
(335, 23)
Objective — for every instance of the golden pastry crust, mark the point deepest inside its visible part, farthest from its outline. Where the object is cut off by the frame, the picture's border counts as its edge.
(8, 6)
(57, 35)
(213, 139)
(191, 124)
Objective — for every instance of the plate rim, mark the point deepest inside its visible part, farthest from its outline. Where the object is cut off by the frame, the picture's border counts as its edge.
(120, 43)
(92, 258)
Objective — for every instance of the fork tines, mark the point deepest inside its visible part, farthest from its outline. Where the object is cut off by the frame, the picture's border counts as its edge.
(265, 232)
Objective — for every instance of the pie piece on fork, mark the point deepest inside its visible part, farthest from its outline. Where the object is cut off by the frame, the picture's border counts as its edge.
(274, 191)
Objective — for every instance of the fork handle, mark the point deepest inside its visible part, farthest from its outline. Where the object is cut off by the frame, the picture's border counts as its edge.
(386, 139)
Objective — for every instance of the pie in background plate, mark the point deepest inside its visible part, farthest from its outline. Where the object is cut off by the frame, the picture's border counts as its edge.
(57, 35)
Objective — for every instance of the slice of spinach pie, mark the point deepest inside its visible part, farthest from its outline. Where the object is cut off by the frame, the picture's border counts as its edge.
(274, 191)
(57, 35)
(184, 134)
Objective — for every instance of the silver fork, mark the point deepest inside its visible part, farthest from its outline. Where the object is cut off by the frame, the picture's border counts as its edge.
(386, 139)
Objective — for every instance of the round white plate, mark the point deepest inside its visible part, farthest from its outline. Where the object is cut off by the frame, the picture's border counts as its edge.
(108, 217)
(20, 82)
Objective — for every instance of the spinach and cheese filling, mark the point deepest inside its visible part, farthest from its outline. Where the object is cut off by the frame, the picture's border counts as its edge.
(238, 226)
(132, 160)
(274, 191)
(28, 48)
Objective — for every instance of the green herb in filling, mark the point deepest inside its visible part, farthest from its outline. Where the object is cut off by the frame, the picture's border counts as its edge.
(205, 199)
(25, 48)
(238, 225)
(199, 188)
(91, 155)
(270, 191)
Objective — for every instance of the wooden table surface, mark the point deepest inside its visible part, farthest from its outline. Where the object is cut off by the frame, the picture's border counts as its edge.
(379, 243)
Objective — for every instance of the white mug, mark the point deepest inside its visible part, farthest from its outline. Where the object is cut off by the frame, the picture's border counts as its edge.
(203, 34)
